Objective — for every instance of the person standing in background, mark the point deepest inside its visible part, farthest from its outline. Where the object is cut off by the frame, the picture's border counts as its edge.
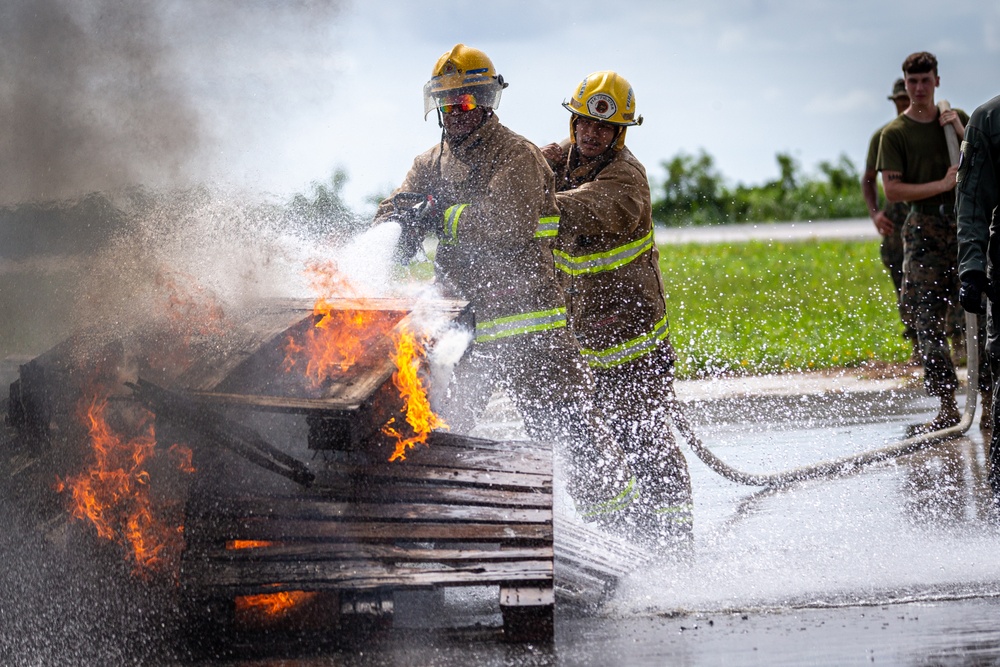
(888, 219)
(916, 168)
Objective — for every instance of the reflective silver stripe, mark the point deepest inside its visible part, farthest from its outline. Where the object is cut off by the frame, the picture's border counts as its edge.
(629, 350)
(547, 226)
(449, 231)
(515, 325)
(603, 261)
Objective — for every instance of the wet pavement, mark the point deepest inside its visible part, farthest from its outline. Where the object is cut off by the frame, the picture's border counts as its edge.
(893, 565)
(849, 229)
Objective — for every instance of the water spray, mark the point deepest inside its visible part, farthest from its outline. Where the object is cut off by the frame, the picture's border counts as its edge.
(847, 464)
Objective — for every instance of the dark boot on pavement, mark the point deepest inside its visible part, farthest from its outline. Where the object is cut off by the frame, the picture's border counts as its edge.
(947, 417)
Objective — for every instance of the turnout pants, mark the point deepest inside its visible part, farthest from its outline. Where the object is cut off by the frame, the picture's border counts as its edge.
(635, 399)
(553, 390)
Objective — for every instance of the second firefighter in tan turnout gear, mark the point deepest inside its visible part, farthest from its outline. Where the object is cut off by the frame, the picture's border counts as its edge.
(609, 266)
(496, 221)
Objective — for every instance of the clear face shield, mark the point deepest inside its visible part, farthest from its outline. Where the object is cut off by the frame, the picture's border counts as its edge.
(461, 99)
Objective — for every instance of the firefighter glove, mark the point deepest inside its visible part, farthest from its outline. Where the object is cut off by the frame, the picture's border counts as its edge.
(414, 210)
(974, 288)
(415, 214)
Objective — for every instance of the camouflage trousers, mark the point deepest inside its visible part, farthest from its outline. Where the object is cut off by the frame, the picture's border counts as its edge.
(930, 289)
(891, 251)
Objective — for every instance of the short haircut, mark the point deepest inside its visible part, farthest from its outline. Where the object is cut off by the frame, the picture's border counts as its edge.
(920, 63)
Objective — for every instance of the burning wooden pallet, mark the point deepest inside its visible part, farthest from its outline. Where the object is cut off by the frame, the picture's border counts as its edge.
(459, 512)
(336, 520)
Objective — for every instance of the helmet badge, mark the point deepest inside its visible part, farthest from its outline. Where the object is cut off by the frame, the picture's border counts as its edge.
(601, 105)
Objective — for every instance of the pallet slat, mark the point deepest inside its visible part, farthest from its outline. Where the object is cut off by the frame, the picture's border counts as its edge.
(262, 529)
(282, 509)
(397, 553)
(326, 575)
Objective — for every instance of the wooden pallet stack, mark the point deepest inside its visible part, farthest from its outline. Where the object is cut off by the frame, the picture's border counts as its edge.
(459, 512)
(294, 492)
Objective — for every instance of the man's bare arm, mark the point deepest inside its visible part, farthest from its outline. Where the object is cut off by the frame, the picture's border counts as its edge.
(869, 190)
(897, 190)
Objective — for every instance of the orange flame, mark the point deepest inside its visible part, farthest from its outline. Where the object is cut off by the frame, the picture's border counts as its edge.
(272, 604)
(114, 493)
(233, 545)
(184, 458)
(421, 419)
(339, 336)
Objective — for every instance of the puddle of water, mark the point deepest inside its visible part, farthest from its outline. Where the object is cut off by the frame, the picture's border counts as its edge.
(917, 528)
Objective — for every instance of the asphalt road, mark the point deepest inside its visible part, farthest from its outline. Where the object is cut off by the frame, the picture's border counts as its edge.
(860, 228)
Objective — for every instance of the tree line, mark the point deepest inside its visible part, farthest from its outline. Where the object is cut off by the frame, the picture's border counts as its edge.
(691, 192)
(694, 192)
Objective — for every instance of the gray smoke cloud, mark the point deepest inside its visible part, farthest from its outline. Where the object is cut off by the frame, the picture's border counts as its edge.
(98, 94)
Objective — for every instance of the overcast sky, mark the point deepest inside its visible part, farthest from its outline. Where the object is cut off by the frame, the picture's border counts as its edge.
(741, 79)
(280, 94)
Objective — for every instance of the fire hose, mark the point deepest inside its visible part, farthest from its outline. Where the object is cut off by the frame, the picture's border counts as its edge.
(854, 462)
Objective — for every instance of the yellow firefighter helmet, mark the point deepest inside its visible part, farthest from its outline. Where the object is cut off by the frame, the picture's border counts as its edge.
(605, 96)
(463, 71)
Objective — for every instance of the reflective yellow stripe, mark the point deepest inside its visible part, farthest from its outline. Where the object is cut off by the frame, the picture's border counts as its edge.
(547, 226)
(616, 504)
(449, 235)
(603, 261)
(515, 325)
(677, 513)
(629, 350)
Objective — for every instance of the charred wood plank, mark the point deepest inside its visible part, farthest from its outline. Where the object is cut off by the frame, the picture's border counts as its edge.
(395, 553)
(417, 492)
(225, 529)
(248, 578)
(188, 415)
(391, 473)
(453, 453)
(280, 509)
(247, 333)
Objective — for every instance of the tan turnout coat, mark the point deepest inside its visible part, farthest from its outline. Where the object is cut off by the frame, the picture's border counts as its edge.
(609, 261)
(495, 256)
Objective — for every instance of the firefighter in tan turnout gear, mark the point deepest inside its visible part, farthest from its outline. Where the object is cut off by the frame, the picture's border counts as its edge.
(609, 266)
(488, 195)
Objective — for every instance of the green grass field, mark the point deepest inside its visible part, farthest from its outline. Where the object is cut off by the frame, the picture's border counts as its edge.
(762, 307)
(733, 308)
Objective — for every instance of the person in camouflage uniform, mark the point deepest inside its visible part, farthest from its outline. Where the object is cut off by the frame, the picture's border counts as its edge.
(889, 219)
(916, 168)
(978, 247)
(488, 195)
(609, 267)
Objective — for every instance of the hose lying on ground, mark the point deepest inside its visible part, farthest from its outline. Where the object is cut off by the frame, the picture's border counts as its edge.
(854, 462)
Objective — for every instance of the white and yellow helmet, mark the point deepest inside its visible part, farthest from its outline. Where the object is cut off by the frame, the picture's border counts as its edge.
(605, 96)
(463, 71)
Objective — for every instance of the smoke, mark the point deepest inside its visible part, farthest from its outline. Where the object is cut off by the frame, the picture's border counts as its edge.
(89, 98)
(97, 94)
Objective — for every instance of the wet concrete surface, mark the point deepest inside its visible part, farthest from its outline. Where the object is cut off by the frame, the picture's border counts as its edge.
(894, 565)
(855, 229)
